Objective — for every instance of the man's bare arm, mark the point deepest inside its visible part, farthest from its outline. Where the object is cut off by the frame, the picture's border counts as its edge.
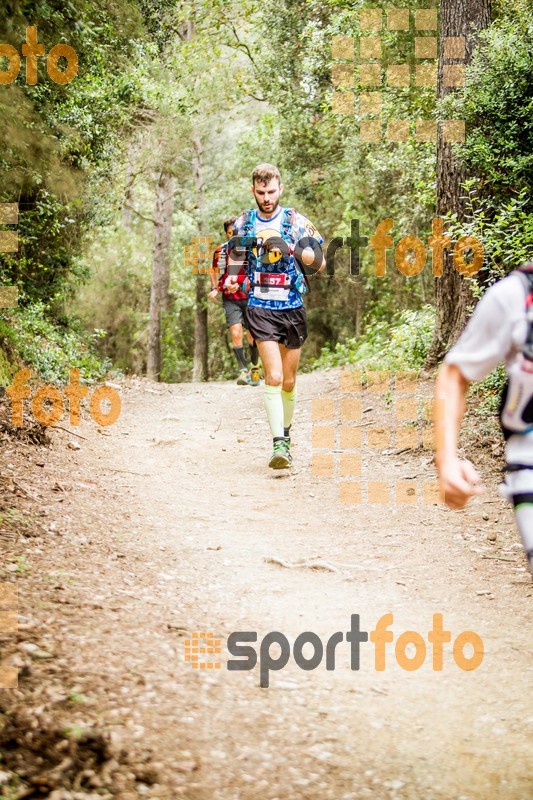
(459, 479)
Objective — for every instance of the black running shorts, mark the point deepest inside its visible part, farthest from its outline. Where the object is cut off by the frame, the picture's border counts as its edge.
(288, 327)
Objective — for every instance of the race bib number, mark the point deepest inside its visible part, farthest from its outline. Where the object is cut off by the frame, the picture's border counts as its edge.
(269, 286)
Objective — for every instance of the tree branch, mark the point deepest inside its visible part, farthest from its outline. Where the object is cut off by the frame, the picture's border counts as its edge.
(261, 99)
(240, 45)
(138, 213)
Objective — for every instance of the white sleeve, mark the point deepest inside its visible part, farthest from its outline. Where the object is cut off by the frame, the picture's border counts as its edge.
(488, 336)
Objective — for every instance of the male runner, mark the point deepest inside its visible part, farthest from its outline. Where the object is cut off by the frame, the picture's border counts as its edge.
(234, 304)
(499, 330)
(276, 314)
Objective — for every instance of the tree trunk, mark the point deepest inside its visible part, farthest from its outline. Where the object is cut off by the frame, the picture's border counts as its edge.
(452, 293)
(358, 306)
(127, 202)
(159, 298)
(200, 365)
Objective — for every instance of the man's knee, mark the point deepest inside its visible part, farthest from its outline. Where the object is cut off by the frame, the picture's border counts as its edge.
(289, 383)
(236, 335)
(274, 377)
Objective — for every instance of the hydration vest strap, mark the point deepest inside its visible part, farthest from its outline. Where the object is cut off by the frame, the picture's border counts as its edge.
(527, 271)
(524, 498)
(287, 223)
(249, 222)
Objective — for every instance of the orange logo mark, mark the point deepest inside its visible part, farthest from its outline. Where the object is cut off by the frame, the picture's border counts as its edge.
(8, 624)
(198, 254)
(202, 644)
(338, 427)
(372, 74)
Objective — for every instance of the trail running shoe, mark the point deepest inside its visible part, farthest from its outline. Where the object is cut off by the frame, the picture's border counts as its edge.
(243, 379)
(254, 376)
(281, 456)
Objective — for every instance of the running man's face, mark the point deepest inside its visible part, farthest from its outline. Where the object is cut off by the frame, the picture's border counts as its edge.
(230, 232)
(267, 195)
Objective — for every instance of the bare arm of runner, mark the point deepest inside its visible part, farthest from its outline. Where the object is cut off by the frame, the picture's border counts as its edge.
(214, 276)
(458, 477)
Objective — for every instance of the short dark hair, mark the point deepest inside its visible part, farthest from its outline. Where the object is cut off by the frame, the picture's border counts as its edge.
(229, 221)
(264, 173)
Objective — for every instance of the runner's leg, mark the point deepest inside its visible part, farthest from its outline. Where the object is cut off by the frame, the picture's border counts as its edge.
(254, 356)
(523, 509)
(290, 359)
(272, 363)
(518, 487)
(236, 340)
(273, 366)
(254, 352)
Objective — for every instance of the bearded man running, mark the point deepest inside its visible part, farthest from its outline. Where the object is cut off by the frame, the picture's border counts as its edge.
(274, 243)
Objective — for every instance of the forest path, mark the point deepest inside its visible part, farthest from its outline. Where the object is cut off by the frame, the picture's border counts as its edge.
(166, 519)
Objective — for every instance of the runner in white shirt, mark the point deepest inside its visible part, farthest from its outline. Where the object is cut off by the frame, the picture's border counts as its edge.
(497, 332)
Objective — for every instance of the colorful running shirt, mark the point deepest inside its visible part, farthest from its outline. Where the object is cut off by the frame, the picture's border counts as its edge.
(273, 284)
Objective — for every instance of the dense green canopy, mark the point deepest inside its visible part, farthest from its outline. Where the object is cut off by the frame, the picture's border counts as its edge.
(203, 91)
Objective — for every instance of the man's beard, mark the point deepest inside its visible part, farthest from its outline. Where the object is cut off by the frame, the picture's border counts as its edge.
(265, 210)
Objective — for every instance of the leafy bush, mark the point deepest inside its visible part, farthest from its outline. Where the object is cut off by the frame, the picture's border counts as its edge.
(488, 392)
(51, 350)
(497, 104)
(402, 345)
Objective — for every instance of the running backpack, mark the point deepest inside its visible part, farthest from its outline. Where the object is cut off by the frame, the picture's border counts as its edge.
(516, 406)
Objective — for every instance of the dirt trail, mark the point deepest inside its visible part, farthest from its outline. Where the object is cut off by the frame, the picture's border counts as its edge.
(161, 525)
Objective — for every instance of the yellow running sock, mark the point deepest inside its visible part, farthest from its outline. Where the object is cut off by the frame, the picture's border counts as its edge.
(274, 409)
(289, 401)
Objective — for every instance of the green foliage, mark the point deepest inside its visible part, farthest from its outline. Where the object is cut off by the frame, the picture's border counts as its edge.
(497, 104)
(489, 391)
(58, 143)
(402, 345)
(198, 88)
(7, 366)
(50, 349)
(505, 229)
(117, 297)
